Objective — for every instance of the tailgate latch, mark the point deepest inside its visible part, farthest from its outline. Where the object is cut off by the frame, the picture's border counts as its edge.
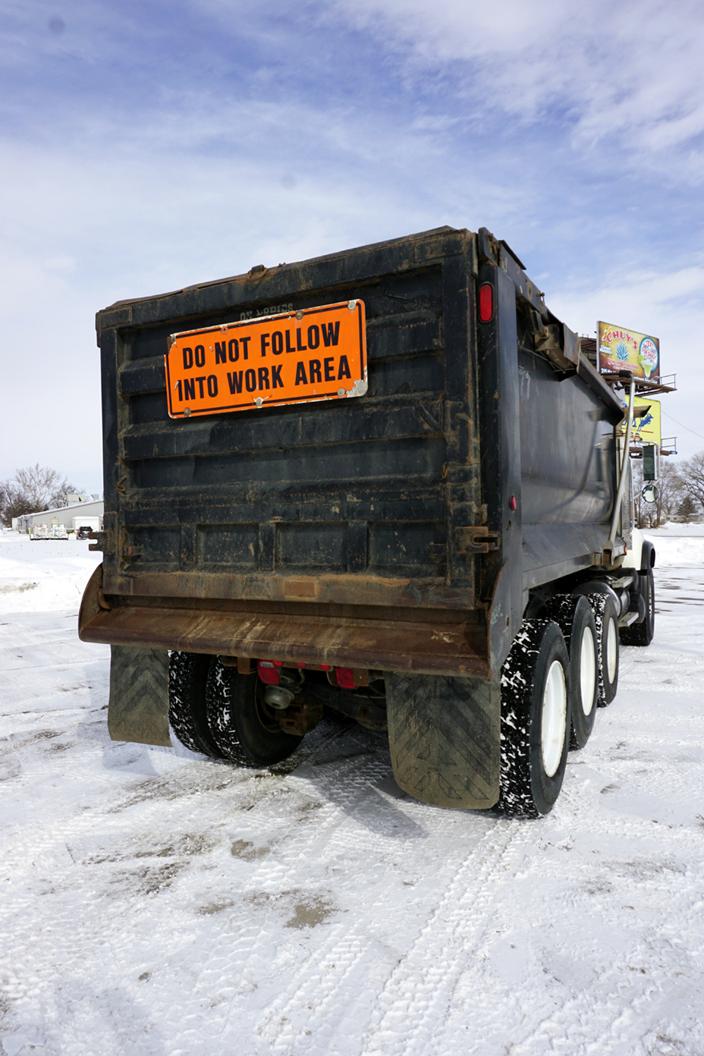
(98, 541)
(476, 539)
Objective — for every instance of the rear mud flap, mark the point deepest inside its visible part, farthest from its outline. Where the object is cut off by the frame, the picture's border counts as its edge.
(444, 739)
(139, 695)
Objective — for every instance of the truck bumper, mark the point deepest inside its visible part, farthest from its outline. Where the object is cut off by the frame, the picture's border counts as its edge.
(420, 646)
(443, 731)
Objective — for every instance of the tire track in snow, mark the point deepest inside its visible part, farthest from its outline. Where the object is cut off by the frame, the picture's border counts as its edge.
(422, 985)
(308, 1008)
(218, 1006)
(349, 960)
(248, 955)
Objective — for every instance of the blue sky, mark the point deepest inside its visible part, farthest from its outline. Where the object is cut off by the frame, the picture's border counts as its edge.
(148, 146)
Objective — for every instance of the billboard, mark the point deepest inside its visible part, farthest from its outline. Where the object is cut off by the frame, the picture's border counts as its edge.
(622, 349)
(646, 428)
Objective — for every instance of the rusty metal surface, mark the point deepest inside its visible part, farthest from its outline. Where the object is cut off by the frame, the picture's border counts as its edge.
(107, 599)
(91, 600)
(326, 588)
(404, 646)
(300, 717)
(366, 708)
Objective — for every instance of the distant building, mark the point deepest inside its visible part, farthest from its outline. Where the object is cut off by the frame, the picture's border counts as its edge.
(70, 516)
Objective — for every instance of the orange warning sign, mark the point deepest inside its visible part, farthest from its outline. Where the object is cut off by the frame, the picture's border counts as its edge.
(299, 356)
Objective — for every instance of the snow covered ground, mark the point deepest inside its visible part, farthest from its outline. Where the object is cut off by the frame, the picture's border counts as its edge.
(157, 903)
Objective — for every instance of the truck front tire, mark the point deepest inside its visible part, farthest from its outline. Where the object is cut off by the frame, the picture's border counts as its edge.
(642, 633)
(242, 725)
(535, 720)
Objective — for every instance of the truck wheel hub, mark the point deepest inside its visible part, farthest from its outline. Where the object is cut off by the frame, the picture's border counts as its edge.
(554, 718)
(587, 670)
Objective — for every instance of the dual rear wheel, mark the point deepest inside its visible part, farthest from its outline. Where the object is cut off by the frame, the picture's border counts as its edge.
(535, 720)
(217, 711)
(560, 668)
(575, 618)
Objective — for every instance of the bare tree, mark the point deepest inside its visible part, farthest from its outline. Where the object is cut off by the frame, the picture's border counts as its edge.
(32, 489)
(691, 472)
(669, 491)
(12, 502)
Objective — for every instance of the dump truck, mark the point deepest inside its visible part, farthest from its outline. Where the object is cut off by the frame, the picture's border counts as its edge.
(384, 482)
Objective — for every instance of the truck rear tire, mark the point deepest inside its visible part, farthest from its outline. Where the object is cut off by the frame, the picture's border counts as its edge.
(188, 675)
(244, 728)
(606, 615)
(642, 633)
(574, 616)
(535, 720)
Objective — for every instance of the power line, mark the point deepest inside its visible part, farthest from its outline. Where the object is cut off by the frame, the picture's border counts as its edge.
(683, 426)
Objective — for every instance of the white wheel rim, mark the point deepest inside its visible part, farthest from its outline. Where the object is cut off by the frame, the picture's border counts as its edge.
(553, 726)
(611, 646)
(587, 670)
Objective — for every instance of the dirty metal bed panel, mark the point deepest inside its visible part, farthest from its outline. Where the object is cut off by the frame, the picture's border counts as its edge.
(376, 494)
(568, 479)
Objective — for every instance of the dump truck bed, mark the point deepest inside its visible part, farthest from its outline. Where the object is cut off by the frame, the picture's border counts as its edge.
(371, 531)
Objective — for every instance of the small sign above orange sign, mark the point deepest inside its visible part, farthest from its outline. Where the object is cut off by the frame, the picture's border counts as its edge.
(299, 356)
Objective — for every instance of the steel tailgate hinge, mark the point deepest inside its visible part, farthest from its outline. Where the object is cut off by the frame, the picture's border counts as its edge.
(477, 539)
(98, 540)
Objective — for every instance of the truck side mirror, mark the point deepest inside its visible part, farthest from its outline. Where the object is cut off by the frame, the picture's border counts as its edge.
(649, 493)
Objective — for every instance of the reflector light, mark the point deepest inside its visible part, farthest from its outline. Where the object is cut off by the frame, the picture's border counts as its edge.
(486, 302)
(268, 671)
(344, 676)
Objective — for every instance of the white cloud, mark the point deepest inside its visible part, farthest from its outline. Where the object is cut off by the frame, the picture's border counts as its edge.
(629, 76)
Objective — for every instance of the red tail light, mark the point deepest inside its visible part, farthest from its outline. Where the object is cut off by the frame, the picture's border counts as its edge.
(344, 676)
(268, 671)
(486, 302)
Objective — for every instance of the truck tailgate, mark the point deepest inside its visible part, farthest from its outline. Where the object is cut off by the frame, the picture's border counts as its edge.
(367, 502)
